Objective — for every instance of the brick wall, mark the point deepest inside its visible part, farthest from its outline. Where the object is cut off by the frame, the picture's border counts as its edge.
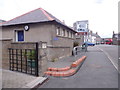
(58, 52)
(6, 43)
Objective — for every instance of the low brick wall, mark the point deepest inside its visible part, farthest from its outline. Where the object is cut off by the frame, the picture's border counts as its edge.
(45, 54)
(43, 61)
(58, 52)
(23, 45)
(6, 43)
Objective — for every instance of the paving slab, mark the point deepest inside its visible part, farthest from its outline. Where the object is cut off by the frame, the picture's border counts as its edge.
(13, 79)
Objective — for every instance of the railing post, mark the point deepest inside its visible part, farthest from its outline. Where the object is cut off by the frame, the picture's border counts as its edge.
(9, 58)
(36, 61)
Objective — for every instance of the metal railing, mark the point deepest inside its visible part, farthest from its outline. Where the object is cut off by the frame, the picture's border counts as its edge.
(79, 49)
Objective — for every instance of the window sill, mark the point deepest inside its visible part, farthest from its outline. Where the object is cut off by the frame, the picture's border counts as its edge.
(64, 37)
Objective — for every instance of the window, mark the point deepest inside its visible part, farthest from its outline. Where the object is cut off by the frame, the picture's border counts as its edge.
(63, 32)
(80, 26)
(67, 33)
(71, 35)
(116, 36)
(58, 30)
(19, 36)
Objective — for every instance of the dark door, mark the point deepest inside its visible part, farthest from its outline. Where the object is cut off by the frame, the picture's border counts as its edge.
(20, 35)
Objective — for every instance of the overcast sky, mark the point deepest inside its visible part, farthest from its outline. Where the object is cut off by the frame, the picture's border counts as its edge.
(102, 14)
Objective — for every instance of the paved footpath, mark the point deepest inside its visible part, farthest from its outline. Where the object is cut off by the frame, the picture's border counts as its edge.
(12, 79)
(96, 72)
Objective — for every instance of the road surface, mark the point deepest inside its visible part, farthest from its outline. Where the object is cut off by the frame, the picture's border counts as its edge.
(111, 52)
(97, 71)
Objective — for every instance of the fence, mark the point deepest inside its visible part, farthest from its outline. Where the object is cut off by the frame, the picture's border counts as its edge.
(24, 60)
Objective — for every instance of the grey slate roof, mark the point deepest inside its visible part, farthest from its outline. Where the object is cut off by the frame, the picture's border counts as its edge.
(35, 16)
(30, 17)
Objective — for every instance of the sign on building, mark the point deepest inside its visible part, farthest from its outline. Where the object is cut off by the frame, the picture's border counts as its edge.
(81, 26)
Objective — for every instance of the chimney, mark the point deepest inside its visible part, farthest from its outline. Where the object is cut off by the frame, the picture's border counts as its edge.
(63, 21)
(96, 33)
(113, 32)
(91, 32)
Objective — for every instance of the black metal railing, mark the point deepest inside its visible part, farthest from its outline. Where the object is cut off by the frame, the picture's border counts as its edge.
(24, 60)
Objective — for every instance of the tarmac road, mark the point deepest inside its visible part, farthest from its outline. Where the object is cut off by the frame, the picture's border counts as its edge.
(96, 72)
(112, 53)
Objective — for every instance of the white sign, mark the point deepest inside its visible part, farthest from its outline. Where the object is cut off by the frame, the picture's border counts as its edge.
(82, 26)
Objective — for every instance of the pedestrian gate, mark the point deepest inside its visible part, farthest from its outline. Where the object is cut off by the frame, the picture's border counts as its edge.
(24, 60)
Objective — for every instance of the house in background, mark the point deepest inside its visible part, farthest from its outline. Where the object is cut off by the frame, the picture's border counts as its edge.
(116, 38)
(2, 21)
(94, 37)
(82, 31)
(39, 25)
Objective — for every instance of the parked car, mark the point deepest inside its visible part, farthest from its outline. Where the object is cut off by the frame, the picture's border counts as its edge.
(109, 41)
(102, 43)
(90, 44)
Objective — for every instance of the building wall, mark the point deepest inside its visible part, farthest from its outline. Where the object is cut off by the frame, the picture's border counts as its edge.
(36, 33)
(93, 39)
(81, 26)
(80, 39)
(62, 45)
(45, 32)
(116, 39)
(62, 40)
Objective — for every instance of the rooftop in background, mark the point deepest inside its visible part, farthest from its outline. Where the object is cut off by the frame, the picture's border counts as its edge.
(82, 21)
(2, 21)
(96, 35)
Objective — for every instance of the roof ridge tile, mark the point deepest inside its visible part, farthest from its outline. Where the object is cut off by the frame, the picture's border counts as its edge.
(45, 13)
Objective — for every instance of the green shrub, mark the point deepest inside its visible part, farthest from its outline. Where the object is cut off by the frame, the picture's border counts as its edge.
(30, 55)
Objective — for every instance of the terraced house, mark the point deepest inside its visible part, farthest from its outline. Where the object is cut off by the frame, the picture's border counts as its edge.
(40, 26)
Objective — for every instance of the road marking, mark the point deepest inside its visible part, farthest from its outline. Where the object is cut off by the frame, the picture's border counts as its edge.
(109, 58)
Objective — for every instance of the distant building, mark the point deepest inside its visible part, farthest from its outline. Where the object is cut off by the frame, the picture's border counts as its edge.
(116, 38)
(94, 37)
(82, 30)
(97, 38)
(84, 33)
(2, 21)
(81, 26)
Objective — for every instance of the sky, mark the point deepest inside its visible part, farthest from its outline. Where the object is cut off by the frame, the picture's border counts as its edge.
(101, 14)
